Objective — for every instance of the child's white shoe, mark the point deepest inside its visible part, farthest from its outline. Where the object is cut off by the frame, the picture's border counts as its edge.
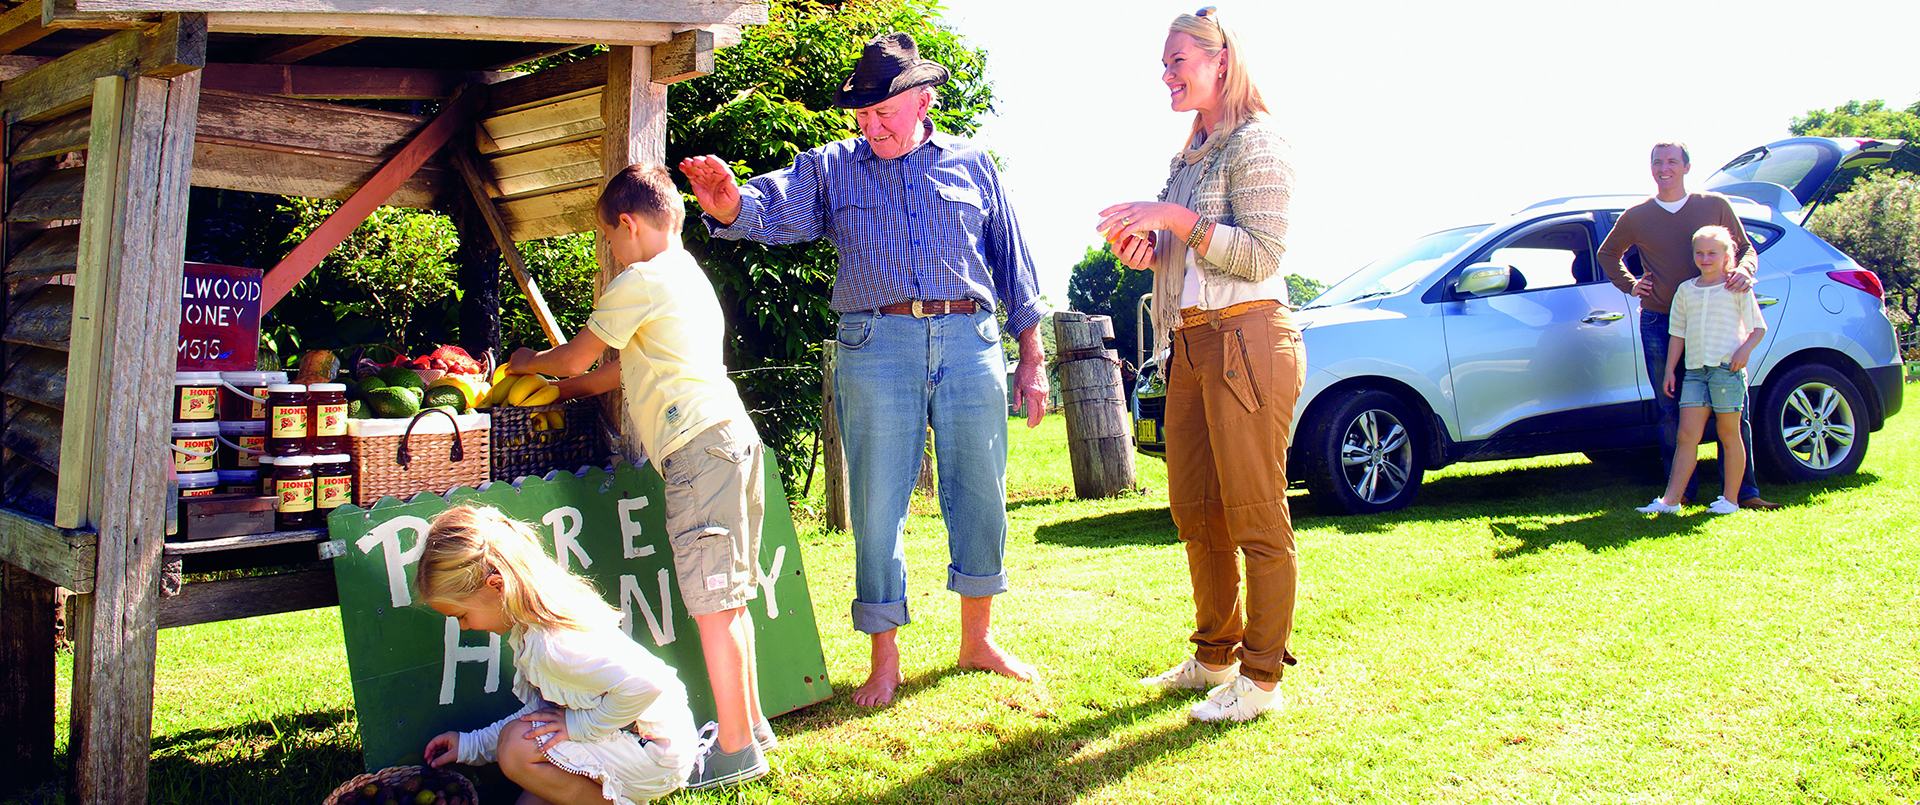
(1721, 505)
(1659, 506)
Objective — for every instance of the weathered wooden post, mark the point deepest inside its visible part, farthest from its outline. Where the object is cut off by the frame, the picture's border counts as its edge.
(833, 458)
(1099, 436)
(927, 484)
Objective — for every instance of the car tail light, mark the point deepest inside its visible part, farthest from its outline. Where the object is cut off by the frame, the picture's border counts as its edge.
(1860, 278)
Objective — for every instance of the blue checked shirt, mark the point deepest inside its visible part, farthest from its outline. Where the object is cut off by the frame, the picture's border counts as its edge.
(933, 224)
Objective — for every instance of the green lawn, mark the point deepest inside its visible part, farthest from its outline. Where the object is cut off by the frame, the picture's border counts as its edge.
(1518, 636)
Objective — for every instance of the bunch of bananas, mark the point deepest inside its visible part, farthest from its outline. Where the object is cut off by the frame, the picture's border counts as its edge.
(525, 391)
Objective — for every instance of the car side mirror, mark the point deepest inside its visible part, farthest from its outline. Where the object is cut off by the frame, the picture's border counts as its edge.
(1483, 279)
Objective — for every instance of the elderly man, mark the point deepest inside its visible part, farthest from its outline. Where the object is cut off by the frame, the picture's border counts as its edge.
(929, 246)
(1662, 228)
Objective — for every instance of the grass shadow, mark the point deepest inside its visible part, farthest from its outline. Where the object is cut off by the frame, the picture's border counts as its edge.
(1133, 527)
(1053, 766)
(840, 709)
(1596, 533)
(297, 759)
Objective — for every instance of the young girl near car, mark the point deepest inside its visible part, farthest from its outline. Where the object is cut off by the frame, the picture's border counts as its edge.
(604, 720)
(1716, 330)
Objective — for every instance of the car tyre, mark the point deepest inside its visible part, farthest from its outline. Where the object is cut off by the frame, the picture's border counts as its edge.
(1364, 455)
(1811, 425)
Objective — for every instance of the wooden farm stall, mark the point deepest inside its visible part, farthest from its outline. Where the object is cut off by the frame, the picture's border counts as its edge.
(110, 110)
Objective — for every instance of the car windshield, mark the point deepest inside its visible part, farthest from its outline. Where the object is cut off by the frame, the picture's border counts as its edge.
(1393, 273)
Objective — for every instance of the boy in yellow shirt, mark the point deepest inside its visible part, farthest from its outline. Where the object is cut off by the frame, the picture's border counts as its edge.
(663, 317)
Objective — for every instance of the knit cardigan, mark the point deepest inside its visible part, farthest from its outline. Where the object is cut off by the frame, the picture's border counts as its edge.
(1247, 186)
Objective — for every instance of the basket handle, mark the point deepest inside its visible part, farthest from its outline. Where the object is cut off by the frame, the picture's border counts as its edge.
(405, 456)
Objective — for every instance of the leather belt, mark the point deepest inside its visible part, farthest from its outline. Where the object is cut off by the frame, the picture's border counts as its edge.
(921, 308)
(1192, 316)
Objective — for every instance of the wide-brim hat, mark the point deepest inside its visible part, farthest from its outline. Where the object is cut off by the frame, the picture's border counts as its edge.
(888, 66)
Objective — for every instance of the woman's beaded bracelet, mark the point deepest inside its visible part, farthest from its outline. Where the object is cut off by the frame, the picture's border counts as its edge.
(1199, 233)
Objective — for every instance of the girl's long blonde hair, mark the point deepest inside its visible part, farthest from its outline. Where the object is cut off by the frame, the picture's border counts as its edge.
(467, 544)
(1238, 93)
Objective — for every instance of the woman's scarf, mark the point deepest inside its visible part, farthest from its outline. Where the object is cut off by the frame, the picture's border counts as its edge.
(1170, 255)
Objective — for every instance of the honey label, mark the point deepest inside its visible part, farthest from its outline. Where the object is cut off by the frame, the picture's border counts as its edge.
(296, 495)
(289, 422)
(335, 491)
(183, 462)
(257, 444)
(332, 419)
(257, 409)
(197, 493)
(198, 403)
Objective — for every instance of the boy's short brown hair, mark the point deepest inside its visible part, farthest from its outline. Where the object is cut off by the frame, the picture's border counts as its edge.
(646, 191)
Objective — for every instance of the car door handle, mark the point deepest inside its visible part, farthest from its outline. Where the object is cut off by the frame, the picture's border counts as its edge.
(1599, 316)
(1766, 301)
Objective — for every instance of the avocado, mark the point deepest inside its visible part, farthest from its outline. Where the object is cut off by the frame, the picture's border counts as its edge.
(393, 403)
(358, 410)
(370, 383)
(401, 376)
(444, 396)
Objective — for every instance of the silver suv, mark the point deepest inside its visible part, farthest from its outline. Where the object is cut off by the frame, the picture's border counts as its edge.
(1504, 340)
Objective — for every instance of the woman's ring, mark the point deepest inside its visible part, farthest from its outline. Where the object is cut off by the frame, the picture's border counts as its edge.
(1126, 220)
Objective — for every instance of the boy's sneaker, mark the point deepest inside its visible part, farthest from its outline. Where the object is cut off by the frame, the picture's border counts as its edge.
(1190, 675)
(1659, 506)
(1239, 700)
(1720, 505)
(714, 768)
(763, 735)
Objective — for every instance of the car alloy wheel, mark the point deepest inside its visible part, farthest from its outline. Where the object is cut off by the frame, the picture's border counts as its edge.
(1812, 425)
(1362, 454)
(1376, 456)
(1818, 426)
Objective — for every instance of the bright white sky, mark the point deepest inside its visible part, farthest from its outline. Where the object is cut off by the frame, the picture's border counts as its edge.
(1409, 117)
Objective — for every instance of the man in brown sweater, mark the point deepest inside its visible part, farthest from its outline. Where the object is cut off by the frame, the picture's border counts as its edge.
(1662, 229)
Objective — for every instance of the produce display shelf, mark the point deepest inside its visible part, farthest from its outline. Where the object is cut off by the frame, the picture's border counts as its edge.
(183, 547)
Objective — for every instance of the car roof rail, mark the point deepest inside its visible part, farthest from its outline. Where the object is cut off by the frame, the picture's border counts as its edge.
(1554, 202)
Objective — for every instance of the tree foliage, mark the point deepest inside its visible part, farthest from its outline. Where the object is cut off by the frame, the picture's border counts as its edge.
(1877, 223)
(769, 99)
(1100, 285)
(1860, 119)
(1301, 289)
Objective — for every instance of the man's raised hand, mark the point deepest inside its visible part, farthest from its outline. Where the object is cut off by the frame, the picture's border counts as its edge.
(713, 186)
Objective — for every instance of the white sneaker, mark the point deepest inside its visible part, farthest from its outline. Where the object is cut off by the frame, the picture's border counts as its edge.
(1721, 505)
(1190, 675)
(1659, 506)
(1239, 700)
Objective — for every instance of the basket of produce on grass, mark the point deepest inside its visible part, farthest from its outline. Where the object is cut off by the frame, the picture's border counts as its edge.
(535, 433)
(406, 785)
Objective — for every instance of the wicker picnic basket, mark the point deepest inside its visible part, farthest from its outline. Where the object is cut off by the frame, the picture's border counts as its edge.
(348, 792)
(433, 452)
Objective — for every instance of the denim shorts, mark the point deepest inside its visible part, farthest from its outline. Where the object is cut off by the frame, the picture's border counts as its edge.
(1718, 387)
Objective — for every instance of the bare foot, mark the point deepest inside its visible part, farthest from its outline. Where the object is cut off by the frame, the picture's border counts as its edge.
(986, 656)
(885, 678)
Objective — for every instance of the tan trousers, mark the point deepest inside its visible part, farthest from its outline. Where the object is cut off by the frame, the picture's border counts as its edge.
(1230, 397)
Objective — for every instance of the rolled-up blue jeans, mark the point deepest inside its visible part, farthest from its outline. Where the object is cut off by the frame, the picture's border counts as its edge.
(1654, 341)
(893, 376)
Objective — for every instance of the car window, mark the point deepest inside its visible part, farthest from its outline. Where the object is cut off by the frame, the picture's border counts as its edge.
(1762, 235)
(1551, 256)
(1395, 272)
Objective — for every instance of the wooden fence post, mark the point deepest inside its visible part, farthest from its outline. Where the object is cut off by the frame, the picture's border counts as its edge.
(833, 457)
(1099, 432)
(927, 484)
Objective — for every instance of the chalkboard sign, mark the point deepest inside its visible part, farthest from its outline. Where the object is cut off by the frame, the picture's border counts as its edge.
(416, 674)
(219, 319)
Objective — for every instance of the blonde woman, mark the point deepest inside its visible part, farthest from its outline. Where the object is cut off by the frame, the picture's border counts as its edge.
(1214, 241)
(604, 720)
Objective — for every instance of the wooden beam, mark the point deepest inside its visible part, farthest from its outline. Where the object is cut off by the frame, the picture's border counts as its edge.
(266, 144)
(95, 269)
(39, 376)
(63, 556)
(571, 80)
(470, 176)
(258, 168)
(14, 66)
(21, 27)
(331, 232)
(635, 113)
(562, 121)
(232, 599)
(310, 81)
(454, 27)
(53, 138)
(731, 12)
(174, 47)
(45, 319)
(62, 14)
(689, 55)
(290, 49)
(27, 691)
(112, 710)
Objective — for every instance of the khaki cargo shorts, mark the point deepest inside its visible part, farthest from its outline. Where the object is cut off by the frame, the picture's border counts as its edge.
(716, 491)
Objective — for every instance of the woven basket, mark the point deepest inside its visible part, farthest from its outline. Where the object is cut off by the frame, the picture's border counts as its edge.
(395, 775)
(434, 452)
(519, 450)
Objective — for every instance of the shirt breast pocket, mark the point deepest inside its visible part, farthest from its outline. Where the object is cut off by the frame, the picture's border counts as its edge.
(963, 205)
(855, 218)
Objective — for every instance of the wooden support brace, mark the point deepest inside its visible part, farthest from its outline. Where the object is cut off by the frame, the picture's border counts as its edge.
(21, 27)
(315, 81)
(333, 231)
(66, 14)
(689, 55)
(290, 49)
(470, 175)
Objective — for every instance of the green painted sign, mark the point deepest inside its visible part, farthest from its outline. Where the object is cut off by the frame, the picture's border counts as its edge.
(416, 674)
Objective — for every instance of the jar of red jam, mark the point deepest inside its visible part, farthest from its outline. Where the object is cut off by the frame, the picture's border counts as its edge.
(293, 490)
(333, 482)
(196, 396)
(287, 415)
(243, 395)
(328, 418)
(194, 446)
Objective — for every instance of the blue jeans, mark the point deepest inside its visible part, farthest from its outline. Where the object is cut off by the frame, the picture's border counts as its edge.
(894, 375)
(1654, 339)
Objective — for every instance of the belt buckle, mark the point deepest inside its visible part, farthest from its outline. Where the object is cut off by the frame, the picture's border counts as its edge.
(919, 313)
